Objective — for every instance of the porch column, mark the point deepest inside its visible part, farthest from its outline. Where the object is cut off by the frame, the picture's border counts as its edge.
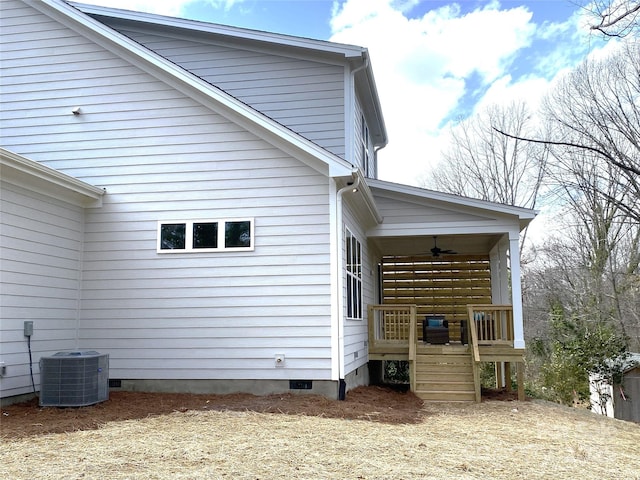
(516, 290)
(499, 272)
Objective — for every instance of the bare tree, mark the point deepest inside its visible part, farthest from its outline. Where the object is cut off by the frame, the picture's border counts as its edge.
(584, 283)
(481, 163)
(614, 18)
(594, 141)
(597, 109)
(604, 239)
(594, 113)
(582, 291)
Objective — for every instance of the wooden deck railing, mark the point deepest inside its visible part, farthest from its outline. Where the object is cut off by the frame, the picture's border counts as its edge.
(392, 328)
(394, 334)
(493, 324)
(489, 326)
(473, 342)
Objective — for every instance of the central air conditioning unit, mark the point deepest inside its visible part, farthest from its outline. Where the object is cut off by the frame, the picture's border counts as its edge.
(74, 379)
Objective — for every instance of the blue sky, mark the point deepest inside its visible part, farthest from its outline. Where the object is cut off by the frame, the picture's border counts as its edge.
(435, 61)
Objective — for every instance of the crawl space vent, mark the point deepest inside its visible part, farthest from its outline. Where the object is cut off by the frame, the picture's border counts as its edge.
(74, 379)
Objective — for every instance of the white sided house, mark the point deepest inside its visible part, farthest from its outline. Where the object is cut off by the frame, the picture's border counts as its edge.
(201, 203)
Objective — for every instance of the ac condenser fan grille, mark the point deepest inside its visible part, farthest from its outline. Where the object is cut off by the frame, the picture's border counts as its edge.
(74, 379)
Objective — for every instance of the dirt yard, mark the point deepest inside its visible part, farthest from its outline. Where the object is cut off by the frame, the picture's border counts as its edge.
(375, 434)
(371, 403)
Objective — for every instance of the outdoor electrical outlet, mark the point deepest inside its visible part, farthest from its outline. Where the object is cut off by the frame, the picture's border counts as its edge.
(280, 360)
(3, 369)
(28, 328)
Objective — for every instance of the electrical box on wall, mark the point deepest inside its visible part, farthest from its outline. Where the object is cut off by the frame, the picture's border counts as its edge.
(28, 328)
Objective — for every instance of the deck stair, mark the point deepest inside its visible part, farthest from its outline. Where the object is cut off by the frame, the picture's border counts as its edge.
(444, 374)
(448, 372)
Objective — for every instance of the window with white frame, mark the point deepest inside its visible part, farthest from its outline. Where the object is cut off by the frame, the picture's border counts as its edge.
(205, 235)
(365, 150)
(353, 267)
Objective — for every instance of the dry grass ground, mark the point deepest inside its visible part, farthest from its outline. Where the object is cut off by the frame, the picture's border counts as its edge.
(375, 434)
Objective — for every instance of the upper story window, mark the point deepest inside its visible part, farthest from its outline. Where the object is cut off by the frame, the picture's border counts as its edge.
(205, 235)
(365, 153)
(353, 267)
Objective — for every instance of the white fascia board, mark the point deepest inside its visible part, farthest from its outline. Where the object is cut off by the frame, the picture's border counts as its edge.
(219, 101)
(444, 228)
(368, 197)
(348, 51)
(365, 80)
(29, 172)
(523, 214)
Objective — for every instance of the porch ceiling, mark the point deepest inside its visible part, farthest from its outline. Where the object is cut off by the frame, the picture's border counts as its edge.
(476, 244)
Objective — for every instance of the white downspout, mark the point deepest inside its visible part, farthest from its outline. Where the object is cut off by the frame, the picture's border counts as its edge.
(339, 272)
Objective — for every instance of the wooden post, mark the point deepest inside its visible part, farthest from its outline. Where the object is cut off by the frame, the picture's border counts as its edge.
(499, 375)
(371, 318)
(476, 381)
(507, 375)
(412, 347)
(520, 379)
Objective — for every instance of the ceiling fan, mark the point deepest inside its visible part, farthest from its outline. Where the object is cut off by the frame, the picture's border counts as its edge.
(437, 251)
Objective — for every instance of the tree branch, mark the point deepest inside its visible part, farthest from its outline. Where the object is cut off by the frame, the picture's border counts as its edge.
(552, 142)
(608, 156)
(608, 24)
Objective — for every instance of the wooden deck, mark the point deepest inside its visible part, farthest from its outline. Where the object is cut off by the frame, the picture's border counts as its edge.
(448, 372)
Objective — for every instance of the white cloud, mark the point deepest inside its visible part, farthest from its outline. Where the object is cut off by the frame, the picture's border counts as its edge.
(503, 91)
(480, 41)
(421, 64)
(225, 5)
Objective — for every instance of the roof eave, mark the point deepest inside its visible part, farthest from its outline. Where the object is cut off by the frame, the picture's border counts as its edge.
(366, 81)
(524, 215)
(14, 164)
(219, 29)
(368, 197)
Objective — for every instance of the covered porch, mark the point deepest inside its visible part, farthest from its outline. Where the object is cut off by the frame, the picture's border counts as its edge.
(449, 294)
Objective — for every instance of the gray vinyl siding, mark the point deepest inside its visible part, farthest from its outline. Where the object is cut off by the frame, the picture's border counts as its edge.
(396, 211)
(40, 255)
(306, 96)
(162, 156)
(355, 331)
(368, 165)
